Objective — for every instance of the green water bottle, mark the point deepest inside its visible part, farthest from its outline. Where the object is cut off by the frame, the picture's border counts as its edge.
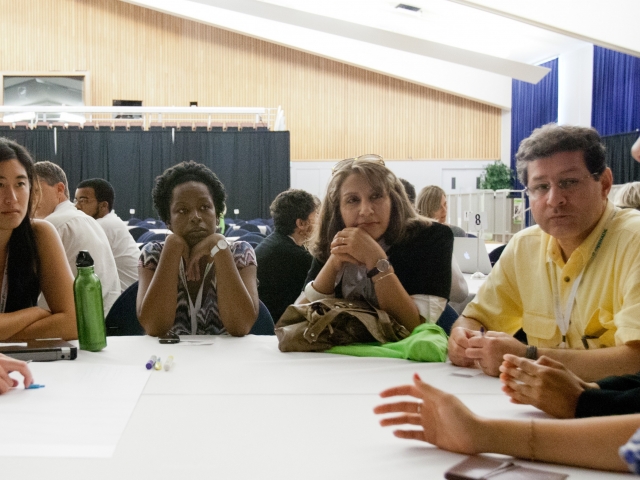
(87, 292)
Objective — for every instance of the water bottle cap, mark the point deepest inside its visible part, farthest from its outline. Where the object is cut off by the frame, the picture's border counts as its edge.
(84, 259)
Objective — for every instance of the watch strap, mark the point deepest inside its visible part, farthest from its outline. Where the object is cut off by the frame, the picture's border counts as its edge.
(373, 272)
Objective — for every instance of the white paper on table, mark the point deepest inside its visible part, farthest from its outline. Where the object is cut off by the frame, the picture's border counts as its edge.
(81, 412)
(467, 372)
(198, 340)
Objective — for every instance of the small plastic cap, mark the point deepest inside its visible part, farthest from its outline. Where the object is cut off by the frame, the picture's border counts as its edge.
(84, 259)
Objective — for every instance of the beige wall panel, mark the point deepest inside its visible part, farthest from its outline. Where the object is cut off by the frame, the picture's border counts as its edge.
(333, 110)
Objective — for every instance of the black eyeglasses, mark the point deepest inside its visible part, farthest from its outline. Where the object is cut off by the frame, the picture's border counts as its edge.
(369, 157)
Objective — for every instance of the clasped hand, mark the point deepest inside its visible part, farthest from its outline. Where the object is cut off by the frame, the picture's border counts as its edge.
(193, 255)
(355, 245)
(546, 384)
(470, 347)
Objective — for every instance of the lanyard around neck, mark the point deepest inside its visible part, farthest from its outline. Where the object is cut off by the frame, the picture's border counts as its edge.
(563, 317)
(194, 308)
(5, 285)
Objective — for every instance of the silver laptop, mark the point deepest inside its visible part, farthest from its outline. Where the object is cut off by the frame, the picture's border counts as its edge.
(40, 350)
(470, 258)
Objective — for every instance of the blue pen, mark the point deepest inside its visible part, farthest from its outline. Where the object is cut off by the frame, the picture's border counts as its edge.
(33, 386)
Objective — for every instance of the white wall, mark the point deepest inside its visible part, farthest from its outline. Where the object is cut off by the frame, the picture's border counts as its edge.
(314, 176)
(575, 87)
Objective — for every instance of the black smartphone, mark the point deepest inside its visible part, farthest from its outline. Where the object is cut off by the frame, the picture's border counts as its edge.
(170, 338)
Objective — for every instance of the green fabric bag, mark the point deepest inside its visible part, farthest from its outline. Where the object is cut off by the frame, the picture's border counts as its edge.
(427, 343)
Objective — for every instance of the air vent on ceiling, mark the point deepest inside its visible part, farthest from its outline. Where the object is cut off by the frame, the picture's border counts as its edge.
(409, 8)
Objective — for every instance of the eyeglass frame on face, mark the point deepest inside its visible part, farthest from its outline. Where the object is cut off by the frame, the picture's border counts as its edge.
(367, 157)
(567, 185)
(81, 201)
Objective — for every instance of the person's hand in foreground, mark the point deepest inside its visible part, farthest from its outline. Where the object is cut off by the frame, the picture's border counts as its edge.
(489, 349)
(8, 365)
(545, 383)
(444, 420)
(446, 423)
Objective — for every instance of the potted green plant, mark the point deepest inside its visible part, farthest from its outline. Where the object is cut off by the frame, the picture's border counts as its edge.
(497, 176)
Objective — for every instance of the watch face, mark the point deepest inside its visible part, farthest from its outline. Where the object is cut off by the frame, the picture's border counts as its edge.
(222, 244)
(383, 265)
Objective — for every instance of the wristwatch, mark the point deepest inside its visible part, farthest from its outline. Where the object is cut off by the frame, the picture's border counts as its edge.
(221, 245)
(382, 266)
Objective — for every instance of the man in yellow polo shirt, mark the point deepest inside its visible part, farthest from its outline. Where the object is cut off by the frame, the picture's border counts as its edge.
(572, 282)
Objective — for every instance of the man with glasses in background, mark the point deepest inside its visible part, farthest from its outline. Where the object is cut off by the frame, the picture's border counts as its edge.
(96, 197)
(571, 282)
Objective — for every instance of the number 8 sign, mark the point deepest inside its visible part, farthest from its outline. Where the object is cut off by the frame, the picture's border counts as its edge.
(478, 222)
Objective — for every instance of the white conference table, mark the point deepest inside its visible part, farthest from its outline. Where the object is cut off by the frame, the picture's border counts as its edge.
(240, 409)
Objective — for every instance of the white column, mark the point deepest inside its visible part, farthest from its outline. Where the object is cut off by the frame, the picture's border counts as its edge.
(575, 87)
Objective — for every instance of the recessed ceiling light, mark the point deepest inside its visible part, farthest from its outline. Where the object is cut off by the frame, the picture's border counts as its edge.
(409, 8)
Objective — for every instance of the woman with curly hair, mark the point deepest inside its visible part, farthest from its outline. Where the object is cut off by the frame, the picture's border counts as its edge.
(372, 245)
(195, 282)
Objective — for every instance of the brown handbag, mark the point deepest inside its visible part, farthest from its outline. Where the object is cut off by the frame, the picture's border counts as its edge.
(326, 323)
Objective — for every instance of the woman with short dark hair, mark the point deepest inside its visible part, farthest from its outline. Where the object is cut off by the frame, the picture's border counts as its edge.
(195, 282)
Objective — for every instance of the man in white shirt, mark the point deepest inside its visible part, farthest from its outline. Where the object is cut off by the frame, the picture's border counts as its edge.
(95, 197)
(77, 230)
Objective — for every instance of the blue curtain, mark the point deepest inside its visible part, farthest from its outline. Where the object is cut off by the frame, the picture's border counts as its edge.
(531, 107)
(616, 92)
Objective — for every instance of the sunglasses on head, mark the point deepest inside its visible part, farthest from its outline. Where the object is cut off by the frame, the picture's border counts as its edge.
(369, 157)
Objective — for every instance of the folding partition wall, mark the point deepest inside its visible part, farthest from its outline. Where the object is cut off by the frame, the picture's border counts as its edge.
(625, 168)
(253, 165)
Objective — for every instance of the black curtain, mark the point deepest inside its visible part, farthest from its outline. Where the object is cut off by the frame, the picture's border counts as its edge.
(39, 142)
(625, 168)
(252, 165)
(156, 154)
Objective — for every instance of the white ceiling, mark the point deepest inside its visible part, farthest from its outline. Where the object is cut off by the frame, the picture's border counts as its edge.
(470, 48)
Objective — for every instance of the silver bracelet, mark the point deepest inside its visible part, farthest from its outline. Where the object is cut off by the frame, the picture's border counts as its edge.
(312, 294)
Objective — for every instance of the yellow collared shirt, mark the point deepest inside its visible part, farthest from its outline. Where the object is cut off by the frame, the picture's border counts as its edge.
(518, 292)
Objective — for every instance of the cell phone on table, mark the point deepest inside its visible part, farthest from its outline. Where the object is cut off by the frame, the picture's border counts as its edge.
(169, 338)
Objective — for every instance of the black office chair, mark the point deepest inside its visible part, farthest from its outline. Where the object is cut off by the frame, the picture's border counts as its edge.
(152, 237)
(122, 319)
(137, 232)
(238, 232)
(447, 318)
(252, 238)
(250, 227)
(264, 323)
(494, 255)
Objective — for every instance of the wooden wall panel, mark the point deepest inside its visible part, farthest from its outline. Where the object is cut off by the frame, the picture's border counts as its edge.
(333, 110)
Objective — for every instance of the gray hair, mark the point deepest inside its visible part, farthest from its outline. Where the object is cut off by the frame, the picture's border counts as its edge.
(52, 174)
